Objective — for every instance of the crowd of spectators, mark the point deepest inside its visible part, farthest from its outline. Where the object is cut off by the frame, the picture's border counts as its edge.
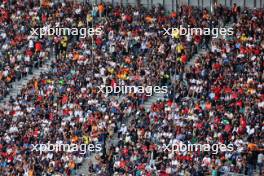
(220, 98)
(20, 52)
(217, 100)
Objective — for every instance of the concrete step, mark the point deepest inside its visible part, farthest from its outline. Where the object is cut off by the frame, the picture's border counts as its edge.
(147, 105)
(18, 85)
(84, 169)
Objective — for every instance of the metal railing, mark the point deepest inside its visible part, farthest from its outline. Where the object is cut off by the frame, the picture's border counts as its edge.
(172, 5)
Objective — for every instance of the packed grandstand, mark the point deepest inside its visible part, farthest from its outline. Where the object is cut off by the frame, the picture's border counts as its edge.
(215, 90)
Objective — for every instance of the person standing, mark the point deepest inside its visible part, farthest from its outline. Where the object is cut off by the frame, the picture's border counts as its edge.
(101, 9)
(235, 10)
(260, 161)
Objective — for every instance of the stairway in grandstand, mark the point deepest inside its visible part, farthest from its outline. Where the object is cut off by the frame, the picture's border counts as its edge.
(84, 169)
(157, 97)
(18, 85)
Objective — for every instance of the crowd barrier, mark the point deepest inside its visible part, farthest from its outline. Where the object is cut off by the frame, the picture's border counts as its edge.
(173, 5)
